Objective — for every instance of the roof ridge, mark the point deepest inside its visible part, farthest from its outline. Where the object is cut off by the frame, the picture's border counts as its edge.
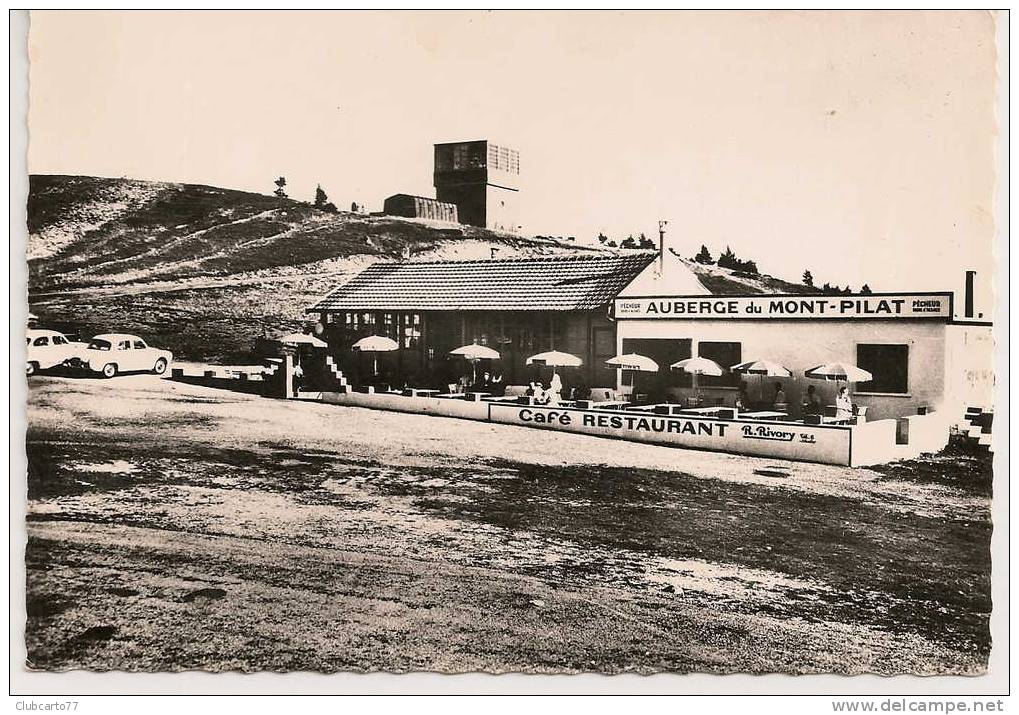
(517, 259)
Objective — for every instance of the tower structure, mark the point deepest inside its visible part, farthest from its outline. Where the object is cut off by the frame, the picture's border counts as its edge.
(482, 179)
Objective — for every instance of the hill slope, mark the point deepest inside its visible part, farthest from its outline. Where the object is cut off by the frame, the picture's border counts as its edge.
(204, 271)
(87, 231)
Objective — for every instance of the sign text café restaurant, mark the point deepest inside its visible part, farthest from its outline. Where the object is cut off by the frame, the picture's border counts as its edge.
(927, 364)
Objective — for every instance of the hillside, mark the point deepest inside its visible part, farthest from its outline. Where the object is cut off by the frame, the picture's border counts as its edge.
(204, 271)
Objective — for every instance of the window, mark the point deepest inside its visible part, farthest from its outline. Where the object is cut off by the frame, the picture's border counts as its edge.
(889, 364)
(665, 352)
(139, 345)
(124, 345)
(41, 341)
(99, 345)
(726, 355)
(59, 340)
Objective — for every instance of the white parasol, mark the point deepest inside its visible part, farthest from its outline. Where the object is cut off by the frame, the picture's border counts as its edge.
(375, 344)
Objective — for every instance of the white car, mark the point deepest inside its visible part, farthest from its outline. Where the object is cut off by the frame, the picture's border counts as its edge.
(111, 353)
(48, 349)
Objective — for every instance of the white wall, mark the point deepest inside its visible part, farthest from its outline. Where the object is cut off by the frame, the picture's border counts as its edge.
(969, 368)
(802, 344)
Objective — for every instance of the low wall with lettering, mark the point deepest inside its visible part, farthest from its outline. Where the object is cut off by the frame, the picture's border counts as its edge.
(858, 445)
(811, 443)
(419, 405)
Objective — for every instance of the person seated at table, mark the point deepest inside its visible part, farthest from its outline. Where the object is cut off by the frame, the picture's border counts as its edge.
(742, 402)
(482, 383)
(779, 403)
(811, 403)
(538, 394)
(496, 386)
(843, 406)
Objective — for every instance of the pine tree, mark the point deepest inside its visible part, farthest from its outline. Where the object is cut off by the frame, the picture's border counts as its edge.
(865, 289)
(320, 197)
(602, 238)
(704, 256)
(808, 279)
(645, 242)
(728, 259)
(280, 187)
(628, 242)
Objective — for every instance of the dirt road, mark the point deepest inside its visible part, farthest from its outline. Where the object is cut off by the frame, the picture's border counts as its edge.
(175, 527)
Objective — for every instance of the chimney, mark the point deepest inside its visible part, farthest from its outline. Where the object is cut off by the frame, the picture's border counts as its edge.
(661, 247)
(494, 252)
(405, 252)
(968, 309)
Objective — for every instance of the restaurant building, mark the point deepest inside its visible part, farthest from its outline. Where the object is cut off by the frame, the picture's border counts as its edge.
(518, 306)
(922, 357)
(929, 363)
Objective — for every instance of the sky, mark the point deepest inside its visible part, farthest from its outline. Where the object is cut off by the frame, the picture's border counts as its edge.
(857, 145)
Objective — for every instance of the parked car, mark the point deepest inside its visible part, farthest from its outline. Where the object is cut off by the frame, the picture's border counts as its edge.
(112, 353)
(47, 349)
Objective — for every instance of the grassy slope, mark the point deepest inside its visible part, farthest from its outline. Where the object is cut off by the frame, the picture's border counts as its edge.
(203, 271)
(115, 231)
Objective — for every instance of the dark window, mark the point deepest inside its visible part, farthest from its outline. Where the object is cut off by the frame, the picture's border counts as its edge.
(41, 341)
(889, 364)
(139, 345)
(59, 340)
(665, 353)
(124, 345)
(726, 355)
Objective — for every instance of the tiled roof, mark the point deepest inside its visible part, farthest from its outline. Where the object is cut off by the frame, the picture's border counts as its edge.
(546, 283)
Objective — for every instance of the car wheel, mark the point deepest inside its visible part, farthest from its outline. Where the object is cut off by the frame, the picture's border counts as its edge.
(31, 368)
(160, 367)
(109, 370)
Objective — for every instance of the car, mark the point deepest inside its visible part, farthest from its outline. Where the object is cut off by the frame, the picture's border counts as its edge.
(113, 353)
(47, 349)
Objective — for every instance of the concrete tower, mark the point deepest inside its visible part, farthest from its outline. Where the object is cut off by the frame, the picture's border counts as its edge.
(482, 179)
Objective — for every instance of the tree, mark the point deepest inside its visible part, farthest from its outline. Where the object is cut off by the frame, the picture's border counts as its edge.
(645, 242)
(320, 197)
(704, 256)
(628, 242)
(728, 259)
(602, 238)
(865, 289)
(280, 187)
(808, 279)
(748, 267)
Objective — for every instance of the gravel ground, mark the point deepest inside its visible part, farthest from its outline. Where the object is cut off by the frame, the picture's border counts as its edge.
(178, 527)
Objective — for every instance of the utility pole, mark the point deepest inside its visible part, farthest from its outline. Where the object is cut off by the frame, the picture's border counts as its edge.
(661, 246)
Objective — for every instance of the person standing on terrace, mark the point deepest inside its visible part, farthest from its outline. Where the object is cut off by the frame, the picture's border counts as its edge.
(843, 405)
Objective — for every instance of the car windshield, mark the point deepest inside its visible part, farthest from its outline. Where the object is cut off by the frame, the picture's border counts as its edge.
(99, 345)
(59, 340)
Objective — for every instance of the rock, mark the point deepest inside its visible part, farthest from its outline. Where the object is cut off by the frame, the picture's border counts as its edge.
(210, 594)
(97, 633)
